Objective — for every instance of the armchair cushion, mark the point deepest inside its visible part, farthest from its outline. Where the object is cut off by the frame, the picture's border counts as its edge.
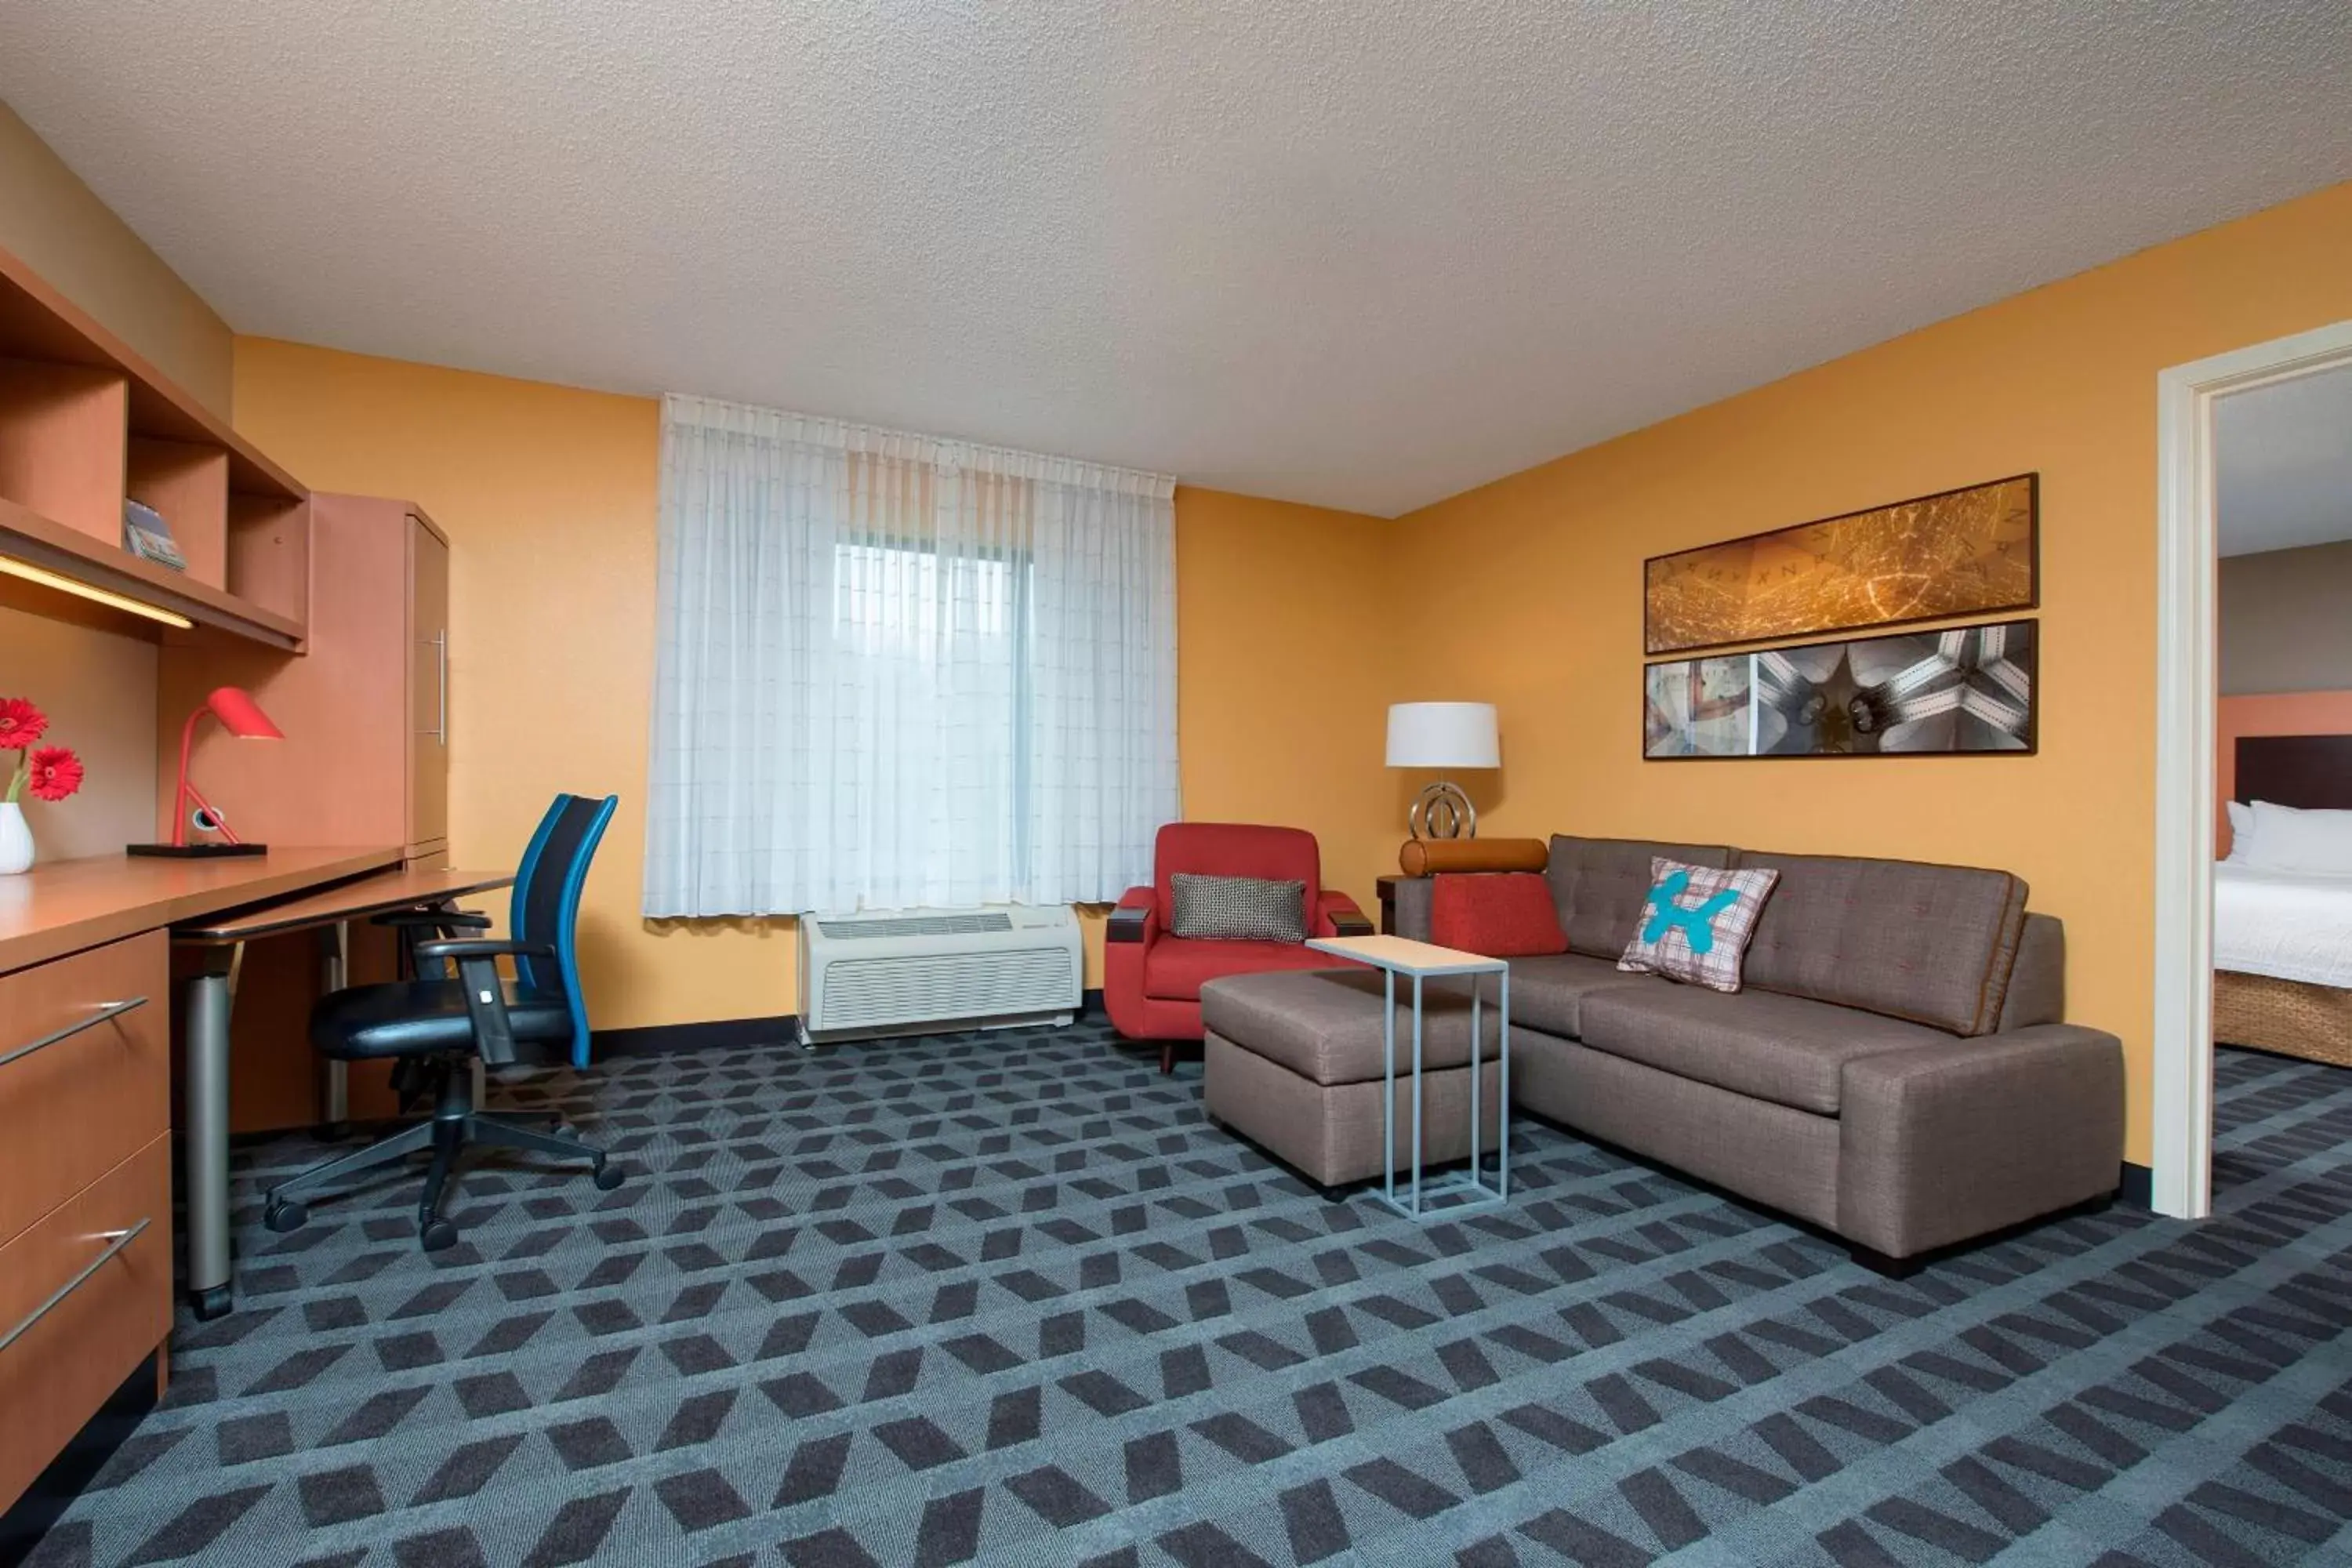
(1176, 967)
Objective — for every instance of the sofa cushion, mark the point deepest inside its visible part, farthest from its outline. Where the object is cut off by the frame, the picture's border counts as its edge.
(1176, 967)
(1549, 993)
(1502, 914)
(1599, 886)
(1933, 944)
(1784, 1049)
(1326, 1027)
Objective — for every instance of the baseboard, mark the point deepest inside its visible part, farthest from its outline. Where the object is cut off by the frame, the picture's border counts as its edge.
(2138, 1188)
(1090, 1003)
(55, 1489)
(662, 1039)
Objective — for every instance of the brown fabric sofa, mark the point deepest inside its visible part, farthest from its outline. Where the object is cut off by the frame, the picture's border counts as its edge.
(1897, 1070)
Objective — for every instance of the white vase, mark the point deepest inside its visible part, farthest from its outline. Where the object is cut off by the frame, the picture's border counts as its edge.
(16, 840)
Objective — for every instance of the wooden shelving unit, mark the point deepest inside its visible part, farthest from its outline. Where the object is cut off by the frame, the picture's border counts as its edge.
(85, 423)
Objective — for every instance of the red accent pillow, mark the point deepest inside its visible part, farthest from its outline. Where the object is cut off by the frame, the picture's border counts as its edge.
(1498, 914)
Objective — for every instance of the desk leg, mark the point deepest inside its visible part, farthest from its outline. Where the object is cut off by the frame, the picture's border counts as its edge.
(334, 973)
(203, 1125)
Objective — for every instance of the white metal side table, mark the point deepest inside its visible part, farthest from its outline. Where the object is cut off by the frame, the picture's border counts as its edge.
(1458, 1192)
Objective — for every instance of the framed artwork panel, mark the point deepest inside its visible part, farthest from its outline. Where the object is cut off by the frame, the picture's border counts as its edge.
(1958, 690)
(1959, 552)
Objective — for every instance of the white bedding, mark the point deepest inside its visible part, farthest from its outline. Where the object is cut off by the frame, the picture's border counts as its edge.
(2289, 925)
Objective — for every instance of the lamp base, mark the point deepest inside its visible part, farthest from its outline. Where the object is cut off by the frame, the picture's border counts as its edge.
(1442, 811)
(194, 851)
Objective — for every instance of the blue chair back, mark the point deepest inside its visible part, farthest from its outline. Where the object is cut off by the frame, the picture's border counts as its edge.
(547, 901)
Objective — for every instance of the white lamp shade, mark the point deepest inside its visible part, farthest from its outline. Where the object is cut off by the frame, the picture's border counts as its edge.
(1442, 735)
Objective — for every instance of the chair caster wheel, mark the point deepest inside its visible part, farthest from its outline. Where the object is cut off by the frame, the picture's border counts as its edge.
(437, 1235)
(608, 1176)
(285, 1214)
(210, 1304)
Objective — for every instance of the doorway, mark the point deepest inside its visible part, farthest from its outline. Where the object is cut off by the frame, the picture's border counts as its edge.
(2188, 406)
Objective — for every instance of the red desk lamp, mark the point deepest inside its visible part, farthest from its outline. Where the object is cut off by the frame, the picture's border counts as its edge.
(242, 717)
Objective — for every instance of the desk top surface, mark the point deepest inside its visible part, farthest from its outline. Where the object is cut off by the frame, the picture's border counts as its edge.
(397, 889)
(1406, 956)
(64, 906)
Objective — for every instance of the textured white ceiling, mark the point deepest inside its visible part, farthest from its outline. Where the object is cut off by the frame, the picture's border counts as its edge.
(2283, 459)
(1362, 252)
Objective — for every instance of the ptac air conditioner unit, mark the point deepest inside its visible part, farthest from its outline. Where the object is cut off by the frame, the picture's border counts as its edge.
(894, 972)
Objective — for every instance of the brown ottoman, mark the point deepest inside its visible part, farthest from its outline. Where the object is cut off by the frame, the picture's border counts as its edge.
(1294, 1063)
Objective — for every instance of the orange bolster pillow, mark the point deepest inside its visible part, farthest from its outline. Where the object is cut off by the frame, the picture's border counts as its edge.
(1428, 856)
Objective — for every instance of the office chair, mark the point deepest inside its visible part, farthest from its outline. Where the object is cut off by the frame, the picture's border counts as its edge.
(431, 1026)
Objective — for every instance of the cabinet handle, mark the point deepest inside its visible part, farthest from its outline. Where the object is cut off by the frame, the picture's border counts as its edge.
(116, 1240)
(440, 643)
(110, 1010)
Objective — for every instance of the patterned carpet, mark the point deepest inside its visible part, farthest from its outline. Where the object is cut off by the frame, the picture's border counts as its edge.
(1010, 1299)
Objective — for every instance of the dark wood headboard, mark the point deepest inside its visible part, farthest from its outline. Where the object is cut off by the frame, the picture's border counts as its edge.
(2313, 772)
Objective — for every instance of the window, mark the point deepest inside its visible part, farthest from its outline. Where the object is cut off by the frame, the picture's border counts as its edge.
(896, 672)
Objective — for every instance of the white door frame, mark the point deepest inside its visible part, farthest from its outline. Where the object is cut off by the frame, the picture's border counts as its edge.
(2187, 566)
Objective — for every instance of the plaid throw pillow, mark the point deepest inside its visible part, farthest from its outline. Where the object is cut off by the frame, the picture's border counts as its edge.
(1697, 922)
(1237, 909)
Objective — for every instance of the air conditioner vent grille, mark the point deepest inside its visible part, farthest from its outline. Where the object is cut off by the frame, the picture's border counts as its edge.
(867, 993)
(915, 925)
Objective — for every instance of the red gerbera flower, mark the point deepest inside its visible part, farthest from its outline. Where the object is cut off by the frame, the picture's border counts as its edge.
(21, 723)
(54, 771)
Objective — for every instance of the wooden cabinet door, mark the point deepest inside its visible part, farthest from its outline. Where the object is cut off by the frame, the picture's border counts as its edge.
(428, 685)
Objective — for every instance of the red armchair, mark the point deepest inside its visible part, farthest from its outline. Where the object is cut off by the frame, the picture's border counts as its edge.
(1151, 981)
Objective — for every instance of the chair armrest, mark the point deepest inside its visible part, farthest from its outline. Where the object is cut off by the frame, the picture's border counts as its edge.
(1939, 1144)
(1337, 914)
(1136, 918)
(486, 1002)
(484, 947)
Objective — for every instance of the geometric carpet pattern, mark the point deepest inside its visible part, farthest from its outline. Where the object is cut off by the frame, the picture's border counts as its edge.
(1011, 1299)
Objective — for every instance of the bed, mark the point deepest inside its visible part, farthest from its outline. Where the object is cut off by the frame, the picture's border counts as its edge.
(2282, 940)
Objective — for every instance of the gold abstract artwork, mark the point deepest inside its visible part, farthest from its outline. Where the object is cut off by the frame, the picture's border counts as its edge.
(1963, 553)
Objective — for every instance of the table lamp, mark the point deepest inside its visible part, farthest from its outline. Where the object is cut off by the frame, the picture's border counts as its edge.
(242, 717)
(1442, 735)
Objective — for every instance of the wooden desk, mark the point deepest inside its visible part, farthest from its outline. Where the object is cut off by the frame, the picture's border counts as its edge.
(85, 1121)
(212, 996)
(69, 905)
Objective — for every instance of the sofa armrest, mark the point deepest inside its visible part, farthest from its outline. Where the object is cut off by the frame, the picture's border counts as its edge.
(1337, 914)
(1134, 917)
(1939, 1144)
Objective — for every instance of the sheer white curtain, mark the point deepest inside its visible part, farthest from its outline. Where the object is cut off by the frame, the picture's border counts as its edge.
(896, 671)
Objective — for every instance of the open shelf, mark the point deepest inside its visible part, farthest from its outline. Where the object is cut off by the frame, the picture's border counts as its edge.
(85, 423)
(26, 535)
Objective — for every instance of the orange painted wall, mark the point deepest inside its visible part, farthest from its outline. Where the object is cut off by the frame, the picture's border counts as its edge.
(1539, 608)
(2269, 714)
(1285, 674)
(549, 498)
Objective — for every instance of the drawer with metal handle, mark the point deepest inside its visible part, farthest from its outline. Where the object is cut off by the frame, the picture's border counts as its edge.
(85, 1294)
(85, 1071)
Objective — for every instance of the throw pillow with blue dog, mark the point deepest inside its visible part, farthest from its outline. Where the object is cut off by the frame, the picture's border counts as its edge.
(1697, 922)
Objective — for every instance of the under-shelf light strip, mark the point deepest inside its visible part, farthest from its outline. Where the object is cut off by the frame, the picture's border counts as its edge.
(48, 579)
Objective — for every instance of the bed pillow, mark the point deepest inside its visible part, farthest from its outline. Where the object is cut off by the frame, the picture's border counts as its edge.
(2241, 833)
(1697, 922)
(2285, 839)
